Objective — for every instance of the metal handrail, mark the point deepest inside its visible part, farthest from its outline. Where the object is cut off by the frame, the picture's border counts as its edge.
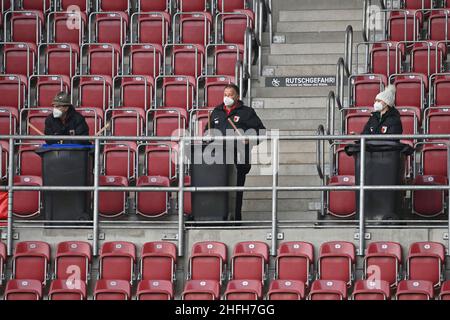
(348, 50)
(340, 75)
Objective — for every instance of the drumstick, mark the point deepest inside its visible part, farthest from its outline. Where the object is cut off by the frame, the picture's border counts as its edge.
(36, 129)
(103, 129)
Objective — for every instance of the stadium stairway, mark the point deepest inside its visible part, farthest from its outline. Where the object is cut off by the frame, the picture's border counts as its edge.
(311, 35)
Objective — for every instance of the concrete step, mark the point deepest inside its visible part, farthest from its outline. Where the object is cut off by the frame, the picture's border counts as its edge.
(282, 215)
(308, 48)
(295, 70)
(318, 37)
(292, 114)
(281, 59)
(299, 205)
(284, 195)
(284, 181)
(317, 4)
(291, 169)
(314, 26)
(311, 124)
(321, 15)
(288, 103)
(289, 92)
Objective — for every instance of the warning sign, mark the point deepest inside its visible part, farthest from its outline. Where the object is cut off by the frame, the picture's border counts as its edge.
(301, 81)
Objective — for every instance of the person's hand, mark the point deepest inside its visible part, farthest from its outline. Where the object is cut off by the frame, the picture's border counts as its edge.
(246, 141)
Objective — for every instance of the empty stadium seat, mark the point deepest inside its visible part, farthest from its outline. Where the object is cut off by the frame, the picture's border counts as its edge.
(119, 159)
(328, 290)
(415, 290)
(60, 31)
(144, 59)
(152, 5)
(44, 88)
(12, 90)
(345, 164)
(178, 92)
(152, 204)
(135, 91)
(404, 25)
(438, 25)
(427, 57)
(155, 290)
(234, 25)
(117, 5)
(112, 290)
(112, 204)
(371, 290)
(295, 261)
(92, 91)
(356, 120)
(152, 27)
(117, 261)
(201, 290)
(73, 262)
(225, 58)
(193, 28)
(25, 26)
(108, 27)
(386, 57)
(429, 203)
(337, 261)
(27, 204)
(342, 203)
(286, 290)
(440, 88)
(426, 261)
(364, 89)
(445, 291)
(158, 261)
(19, 59)
(160, 159)
(102, 59)
(2, 262)
(208, 261)
(410, 91)
(230, 5)
(243, 290)
(4, 159)
(187, 209)
(199, 121)
(438, 121)
(67, 290)
(187, 59)
(168, 122)
(30, 163)
(31, 261)
(41, 5)
(383, 262)
(59, 59)
(213, 90)
(23, 290)
(249, 261)
(434, 159)
(128, 122)
(418, 4)
(9, 117)
(192, 5)
(36, 117)
(94, 119)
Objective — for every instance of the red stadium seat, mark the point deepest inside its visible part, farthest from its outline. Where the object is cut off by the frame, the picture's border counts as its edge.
(356, 120)
(230, 5)
(25, 26)
(187, 197)
(371, 290)
(445, 291)
(92, 91)
(152, 27)
(39, 5)
(411, 90)
(249, 261)
(337, 261)
(428, 51)
(155, 290)
(60, 31)
(386, 57)
(328, 290)
(4, 159)
(112, 204)
(112, 290)
(434, 159)
(192, 5)
(119, 159)
(199, 121)
(208, 261)
(12, 90)
(345, 163)
(82, 5)
(23, 290)
(67, 290)
(152, 204)
(342, 204)
(158, 261)
(135, 91)
(201, 290)
(243, 290)
(426, 261)
(59, 59)
(178, 92)
(438, 120)
(102, 59)
(440, 88)
(418, 4)
(36, 117)
(187, 60)
(168, 122)
(117, 261)
(194, 28)
(2, 262)
(45, 88)
(9, 119)
(73, 261)
(160, 159)
(225, 58)
(27, 204)
(108, 27)
(364, 89)
(286, 290)
(19, 59)
(114, 5)
(235, 24)
(383, 262)
(152, 5)
(94, 119)
(404, 25)
(127, 121)
(31, 261)
(213, 87)
(295, 261)
(30, 163)
(145, 59)
(429, 203)
(438, 25)
(415, 290)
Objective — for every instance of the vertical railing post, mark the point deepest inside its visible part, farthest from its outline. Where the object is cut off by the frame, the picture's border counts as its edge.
(95, 230)
(362, 164)
(10, 196)
(181, 197)
(275, 149)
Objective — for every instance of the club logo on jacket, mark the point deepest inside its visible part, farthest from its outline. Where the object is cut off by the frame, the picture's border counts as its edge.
(236, 119)
(384, 129)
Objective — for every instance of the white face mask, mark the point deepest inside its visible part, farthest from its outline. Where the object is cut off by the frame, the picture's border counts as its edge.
(228, 102)
(57, 113)
(378, 106)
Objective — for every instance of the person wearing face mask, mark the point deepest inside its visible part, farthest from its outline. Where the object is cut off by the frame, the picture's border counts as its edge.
(228, 117)
(385, 119)
(65, 121)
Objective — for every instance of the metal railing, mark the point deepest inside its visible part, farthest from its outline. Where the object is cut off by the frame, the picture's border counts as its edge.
(274, 188)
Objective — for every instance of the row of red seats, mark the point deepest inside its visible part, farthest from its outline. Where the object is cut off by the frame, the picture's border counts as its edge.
(207, 270)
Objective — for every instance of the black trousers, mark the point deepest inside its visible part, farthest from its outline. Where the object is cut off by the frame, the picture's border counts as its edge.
(242, 170)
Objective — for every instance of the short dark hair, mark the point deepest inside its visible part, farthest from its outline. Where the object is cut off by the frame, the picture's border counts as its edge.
(232, 86)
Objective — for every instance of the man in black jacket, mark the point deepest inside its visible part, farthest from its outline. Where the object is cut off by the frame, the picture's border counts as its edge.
(385, 119)
(227, 118)
(65, 121)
